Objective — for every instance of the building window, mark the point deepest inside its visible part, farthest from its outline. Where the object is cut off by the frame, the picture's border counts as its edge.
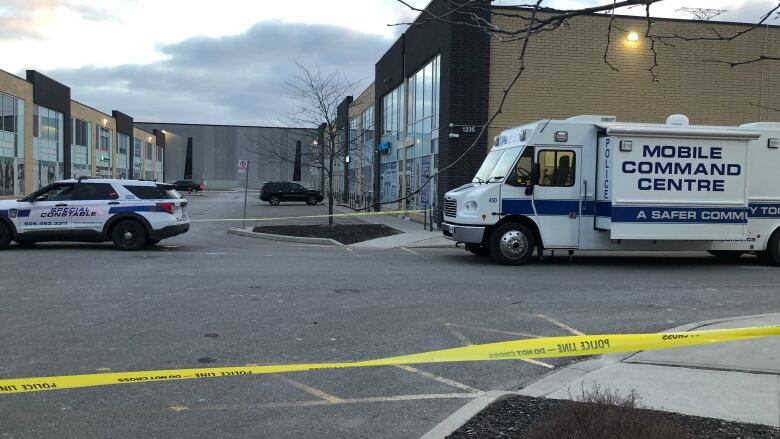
(80, 148)
(148, 151)
(392, 119)
(8, 125)
(47, 133)
(122, 144)
(422, 123)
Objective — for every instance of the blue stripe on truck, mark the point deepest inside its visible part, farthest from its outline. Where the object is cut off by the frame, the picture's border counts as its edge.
(657, 214)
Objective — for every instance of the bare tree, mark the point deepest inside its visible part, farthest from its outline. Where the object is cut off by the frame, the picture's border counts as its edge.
(702, 13)
(316, 95)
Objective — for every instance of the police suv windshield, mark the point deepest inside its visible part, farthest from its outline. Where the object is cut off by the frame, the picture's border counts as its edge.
(496, 165)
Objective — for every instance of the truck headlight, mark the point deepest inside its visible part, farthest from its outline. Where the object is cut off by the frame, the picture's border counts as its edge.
(471, 206)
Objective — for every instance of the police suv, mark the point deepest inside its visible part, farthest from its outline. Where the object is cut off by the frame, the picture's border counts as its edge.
(130, 213)
(592, 183)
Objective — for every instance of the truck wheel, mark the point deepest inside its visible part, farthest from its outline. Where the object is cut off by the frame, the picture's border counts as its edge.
(477, 249)
(129, 235)
(5, 236)
(772, 254)
(274, 200)
(726, 255)
(512, 244)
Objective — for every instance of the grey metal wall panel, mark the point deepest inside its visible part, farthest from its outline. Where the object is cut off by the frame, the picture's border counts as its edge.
(217, 149)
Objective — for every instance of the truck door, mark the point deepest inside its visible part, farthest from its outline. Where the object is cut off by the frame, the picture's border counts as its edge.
(557, 197)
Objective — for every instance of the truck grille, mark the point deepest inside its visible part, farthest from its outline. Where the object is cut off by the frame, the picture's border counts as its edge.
(450, 208)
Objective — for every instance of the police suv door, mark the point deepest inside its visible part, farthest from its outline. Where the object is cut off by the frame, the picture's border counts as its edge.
(48, 211)
(556, 199)
(93, 202)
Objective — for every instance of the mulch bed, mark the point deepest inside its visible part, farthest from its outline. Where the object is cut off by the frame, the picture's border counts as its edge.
(522, 417)
(343, 233)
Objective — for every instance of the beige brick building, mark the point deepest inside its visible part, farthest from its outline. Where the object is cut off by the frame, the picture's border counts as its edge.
(47, 136)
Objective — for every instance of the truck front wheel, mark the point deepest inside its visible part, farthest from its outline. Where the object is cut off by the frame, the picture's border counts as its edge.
(512, 244)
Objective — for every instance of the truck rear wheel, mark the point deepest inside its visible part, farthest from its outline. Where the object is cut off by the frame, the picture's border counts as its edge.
(772, 253)
(512, 244)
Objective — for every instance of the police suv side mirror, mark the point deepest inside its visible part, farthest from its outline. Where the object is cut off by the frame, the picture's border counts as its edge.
(533, 179)
(41, 198)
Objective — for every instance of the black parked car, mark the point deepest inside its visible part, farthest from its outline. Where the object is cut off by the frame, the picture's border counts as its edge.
(188, 186)
(274, 192)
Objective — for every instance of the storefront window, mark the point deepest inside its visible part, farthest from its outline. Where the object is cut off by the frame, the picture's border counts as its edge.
(422, 130)
(11, 145)
(47, 145)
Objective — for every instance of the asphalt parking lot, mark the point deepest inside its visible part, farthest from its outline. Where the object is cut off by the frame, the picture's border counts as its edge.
(208, 298)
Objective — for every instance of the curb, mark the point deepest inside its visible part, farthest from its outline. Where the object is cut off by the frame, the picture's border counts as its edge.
(463, 414)
(240, 231)
(557, 379)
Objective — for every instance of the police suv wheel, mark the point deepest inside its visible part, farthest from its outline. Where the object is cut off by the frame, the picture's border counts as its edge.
(512, 244)
(5, 236)
(129, 235)
(274, 200)
(772, 254)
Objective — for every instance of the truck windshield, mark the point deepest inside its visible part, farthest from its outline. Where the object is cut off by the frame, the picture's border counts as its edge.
(496, 165)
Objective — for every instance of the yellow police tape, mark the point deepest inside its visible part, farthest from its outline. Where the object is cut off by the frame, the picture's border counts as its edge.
(548, 347)
(335, 215)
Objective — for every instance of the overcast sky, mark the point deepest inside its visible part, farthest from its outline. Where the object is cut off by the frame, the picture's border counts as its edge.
(219, 62)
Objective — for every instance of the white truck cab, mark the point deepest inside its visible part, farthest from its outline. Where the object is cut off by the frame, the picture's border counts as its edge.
(591, 183)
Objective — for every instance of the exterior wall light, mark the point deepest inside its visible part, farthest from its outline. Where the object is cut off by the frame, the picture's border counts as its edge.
(632, 37)
(150, 139)
(105, 121)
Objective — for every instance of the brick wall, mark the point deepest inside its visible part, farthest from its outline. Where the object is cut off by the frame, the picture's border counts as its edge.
(566, 74)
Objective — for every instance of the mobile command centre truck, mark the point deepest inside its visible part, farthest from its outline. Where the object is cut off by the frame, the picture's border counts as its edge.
(591, 183)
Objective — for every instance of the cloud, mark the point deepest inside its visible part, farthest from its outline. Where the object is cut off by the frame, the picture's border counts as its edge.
(237, 79)
(29, 19)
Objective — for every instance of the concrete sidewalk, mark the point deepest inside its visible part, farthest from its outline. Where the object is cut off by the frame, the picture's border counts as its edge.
(413, 236)
(735, 381)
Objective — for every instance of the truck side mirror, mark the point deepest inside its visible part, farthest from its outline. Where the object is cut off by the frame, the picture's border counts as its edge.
(533, 179)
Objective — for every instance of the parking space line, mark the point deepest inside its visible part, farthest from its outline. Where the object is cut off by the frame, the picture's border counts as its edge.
(319, 402)
(312, 391)
(497, 331)
(413, 252)
(438, 378)
(350, 250)
(560, 324)
(459, 335)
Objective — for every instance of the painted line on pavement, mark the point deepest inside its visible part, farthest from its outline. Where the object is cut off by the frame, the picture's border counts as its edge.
(311, 390)
(560, 324)
(438, 378)
(319, 402)
(497, 331)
